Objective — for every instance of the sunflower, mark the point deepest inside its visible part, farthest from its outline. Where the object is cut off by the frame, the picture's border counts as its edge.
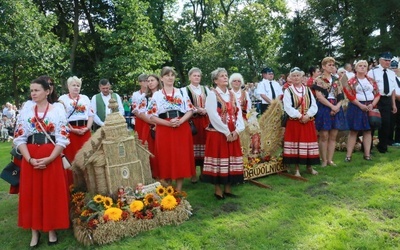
(169, 202)
(77, 197)
(113, 213)
(170, 190)
(160, 190)
(98, 198)
(148, 199)
(107, 202)
(136, 205)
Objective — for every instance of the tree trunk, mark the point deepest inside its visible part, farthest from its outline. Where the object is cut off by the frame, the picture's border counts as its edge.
(76, 36)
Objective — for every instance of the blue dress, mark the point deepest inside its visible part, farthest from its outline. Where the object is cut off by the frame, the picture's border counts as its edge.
(323, 119)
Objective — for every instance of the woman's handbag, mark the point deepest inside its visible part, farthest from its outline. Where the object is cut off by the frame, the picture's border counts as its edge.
(15, 153)
(375, 119)
(193, 127)
(374, 116)
(65, 162)
(284, 119)
(11, 174)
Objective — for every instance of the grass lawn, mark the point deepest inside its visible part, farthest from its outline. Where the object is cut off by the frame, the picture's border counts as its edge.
(355, 205)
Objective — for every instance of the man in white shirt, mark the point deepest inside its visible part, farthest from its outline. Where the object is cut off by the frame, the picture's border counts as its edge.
(386, 81)
(394, 134)
(100, 101)
(268, 89)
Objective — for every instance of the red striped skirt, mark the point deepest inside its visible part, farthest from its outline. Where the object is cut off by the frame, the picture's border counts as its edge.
(300, 144)
(223, 161)
(199, 140)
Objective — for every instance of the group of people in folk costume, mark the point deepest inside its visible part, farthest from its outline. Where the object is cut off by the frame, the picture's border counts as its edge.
(165, 114)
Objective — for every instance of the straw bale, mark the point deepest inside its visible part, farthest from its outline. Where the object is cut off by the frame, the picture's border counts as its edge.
(101, 183)
(87, 150)
(82, 234)
(110, 231)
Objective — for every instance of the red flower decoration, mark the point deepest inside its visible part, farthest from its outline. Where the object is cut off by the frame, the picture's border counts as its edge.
(50, 127)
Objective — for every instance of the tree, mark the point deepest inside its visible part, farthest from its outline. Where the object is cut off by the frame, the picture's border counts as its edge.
(132, 47)
(301, 46)
(245, 43)
(27, 48)
(354, 29)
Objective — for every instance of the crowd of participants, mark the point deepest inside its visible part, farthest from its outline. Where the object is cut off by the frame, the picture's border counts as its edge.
(8, 116)
(164, 116)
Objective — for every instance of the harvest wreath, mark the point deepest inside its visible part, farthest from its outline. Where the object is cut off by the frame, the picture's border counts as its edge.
(101, 219)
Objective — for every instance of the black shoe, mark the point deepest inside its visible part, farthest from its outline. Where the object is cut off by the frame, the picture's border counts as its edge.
(381, 150)
(37, 243)
(231, 195)
(219, 197)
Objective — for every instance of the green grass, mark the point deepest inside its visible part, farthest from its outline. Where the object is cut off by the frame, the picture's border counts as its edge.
(353, 206)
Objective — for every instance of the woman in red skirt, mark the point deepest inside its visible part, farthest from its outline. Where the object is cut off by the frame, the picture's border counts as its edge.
(43, 199)
(300, 143)
(137, 97)
(170, 110)
(80, 119)
(154, 84)
(223, 158)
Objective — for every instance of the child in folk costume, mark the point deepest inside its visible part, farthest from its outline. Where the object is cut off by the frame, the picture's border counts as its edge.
(223, 161)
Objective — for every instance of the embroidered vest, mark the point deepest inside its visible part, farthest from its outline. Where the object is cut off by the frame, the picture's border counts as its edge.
(101, 106)
(228, 111)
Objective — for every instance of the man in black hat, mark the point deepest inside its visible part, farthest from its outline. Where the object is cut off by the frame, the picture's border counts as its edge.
(268, 89)
(386, 80)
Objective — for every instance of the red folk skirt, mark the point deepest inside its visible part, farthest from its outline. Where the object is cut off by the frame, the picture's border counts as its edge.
(140, 126)
(223, 161)
(300, 143)
(43, 199)
(199, 140)
(174, 147)
(76, 143)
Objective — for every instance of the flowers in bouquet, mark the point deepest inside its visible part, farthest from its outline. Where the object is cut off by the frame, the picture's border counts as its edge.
(136, 205)
(169, 202)
(252, 162)
(101, 209)
(113, 213)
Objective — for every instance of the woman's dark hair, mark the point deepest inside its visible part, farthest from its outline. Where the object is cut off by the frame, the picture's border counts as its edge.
(312, 69)
(53, 97)
(149, 93)
(45, 84)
